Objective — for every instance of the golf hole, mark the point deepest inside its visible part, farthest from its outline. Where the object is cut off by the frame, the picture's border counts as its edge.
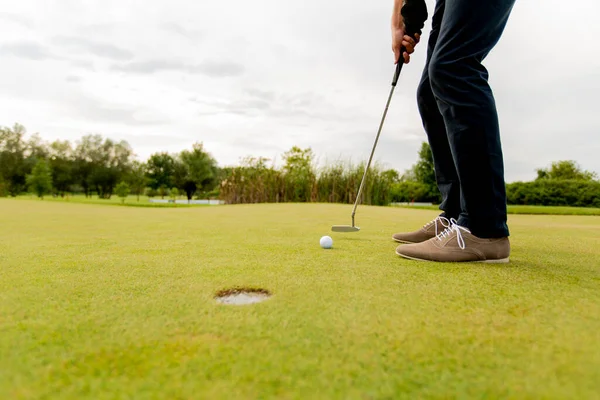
(242, 296)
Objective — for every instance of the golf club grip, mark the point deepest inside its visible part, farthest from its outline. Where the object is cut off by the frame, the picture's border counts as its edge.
(399, 66)
(414, 13)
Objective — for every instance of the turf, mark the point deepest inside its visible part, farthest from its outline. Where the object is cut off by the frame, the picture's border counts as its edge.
(532, 210)
(117, 302)
(130, 201)
(144, 201)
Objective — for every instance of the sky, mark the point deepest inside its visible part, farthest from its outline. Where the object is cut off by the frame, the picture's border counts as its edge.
(254, 78)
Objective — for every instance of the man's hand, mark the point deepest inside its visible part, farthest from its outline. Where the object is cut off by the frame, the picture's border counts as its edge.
(399, 39)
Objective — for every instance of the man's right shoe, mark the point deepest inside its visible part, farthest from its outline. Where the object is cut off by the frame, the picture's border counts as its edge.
(428, 231)
(458, 244)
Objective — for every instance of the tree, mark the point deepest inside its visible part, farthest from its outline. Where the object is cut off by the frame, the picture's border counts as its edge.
(195, 170)
(565, 170)
(62, 166)
(299, 174)
(137, 178)
(3, 191)
(122, 190)
(40, 179)
(391, 175)
(160, 170)
(13, 168)
(114, 166)
(424, 169)
(102, 163)
(82, 169)
(36, 149)
(174, 193)
(181, 177)
(423, 172)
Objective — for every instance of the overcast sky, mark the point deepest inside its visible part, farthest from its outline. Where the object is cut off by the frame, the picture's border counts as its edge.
(257, 77)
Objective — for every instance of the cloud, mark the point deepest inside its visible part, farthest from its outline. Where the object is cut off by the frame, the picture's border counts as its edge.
(73, 79)
(219, 69)
(16, 19)
(152, 140)
(261, 94)
(210, 69)
(240, 107)
(151, 66)
(258, 145)
(191, 34)
(103, 50)
(83, 64)
(305, 99)
(26, 50)
(297, 109)
(91, 109)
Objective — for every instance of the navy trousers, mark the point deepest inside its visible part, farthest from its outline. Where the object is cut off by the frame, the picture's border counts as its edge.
(459, 115)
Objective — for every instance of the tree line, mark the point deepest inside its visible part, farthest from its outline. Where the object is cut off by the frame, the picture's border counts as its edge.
(100, 166)
(563, 183)
(96, 166)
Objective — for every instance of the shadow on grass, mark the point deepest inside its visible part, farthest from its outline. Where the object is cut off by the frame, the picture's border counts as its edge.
(514, 265)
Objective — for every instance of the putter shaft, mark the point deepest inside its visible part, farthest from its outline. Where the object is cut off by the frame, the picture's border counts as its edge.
(362, 183)
(353, 228)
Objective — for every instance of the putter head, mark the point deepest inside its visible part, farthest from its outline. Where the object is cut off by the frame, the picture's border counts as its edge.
(345, 228)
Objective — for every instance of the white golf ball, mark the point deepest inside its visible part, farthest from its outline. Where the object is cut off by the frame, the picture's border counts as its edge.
(326, 242)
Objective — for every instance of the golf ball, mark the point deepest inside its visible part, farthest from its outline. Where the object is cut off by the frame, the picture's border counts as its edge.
(326, 242)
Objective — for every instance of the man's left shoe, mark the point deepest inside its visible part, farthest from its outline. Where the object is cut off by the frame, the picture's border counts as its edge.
(458, 244)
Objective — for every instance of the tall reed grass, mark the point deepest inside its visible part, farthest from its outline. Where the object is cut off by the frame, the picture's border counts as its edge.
(256, 182)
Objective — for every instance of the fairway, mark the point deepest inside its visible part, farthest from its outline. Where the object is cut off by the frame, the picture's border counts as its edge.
(102, 302)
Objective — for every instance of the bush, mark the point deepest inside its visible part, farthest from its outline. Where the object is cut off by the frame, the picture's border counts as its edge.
(554, 192)
(122, 190)
(151, 192)
(163, 191)
(409, 191)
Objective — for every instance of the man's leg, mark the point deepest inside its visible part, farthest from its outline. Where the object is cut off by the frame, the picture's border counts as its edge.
(468, 32)
(433, 122)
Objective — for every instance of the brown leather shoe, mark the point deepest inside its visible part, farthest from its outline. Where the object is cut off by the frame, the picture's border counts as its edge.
(428, 231)
(458, 244)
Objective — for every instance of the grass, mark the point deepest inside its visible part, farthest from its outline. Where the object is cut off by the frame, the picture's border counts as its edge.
(144, 201)
(116, 302)
(131, 201)
(532, 210)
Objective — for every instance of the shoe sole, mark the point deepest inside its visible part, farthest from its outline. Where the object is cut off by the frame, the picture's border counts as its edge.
(407, 242)
(499, 261)
(403, 241)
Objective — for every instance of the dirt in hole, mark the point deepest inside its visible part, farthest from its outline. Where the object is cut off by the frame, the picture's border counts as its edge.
(242, 296)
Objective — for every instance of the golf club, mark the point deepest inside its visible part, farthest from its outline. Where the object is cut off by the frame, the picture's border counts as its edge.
(353, 227)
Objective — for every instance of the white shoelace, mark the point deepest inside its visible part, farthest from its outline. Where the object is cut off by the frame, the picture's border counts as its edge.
(454, 227)
(442, 220)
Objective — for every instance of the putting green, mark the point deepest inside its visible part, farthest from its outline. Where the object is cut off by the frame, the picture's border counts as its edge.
(117, 302)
